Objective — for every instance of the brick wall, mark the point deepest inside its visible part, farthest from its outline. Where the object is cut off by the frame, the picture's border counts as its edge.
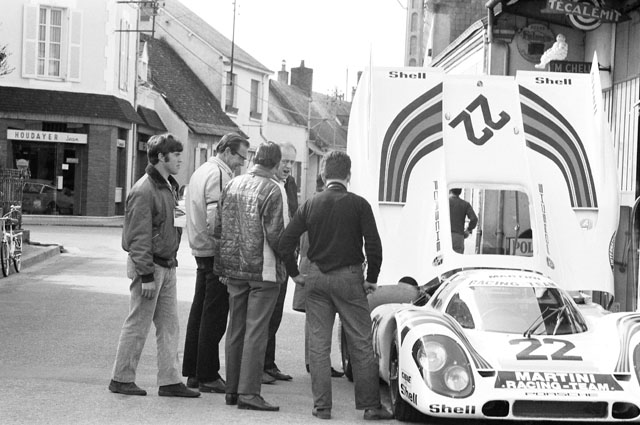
(101, 171)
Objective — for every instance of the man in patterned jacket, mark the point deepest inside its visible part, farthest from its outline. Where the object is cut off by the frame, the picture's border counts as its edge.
(252, 214)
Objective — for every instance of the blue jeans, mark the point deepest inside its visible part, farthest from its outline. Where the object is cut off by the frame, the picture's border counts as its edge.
(251, 305)
(340, 291)
(162, 310)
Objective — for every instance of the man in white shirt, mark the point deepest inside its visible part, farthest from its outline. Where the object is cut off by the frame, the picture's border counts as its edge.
(209, 310)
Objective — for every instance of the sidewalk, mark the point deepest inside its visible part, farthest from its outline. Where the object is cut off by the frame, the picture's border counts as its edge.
(34, 253)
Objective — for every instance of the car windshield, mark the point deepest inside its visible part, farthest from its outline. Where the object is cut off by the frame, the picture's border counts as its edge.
(522, 309)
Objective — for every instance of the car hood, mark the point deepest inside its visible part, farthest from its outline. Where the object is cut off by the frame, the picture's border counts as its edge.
(586, 352)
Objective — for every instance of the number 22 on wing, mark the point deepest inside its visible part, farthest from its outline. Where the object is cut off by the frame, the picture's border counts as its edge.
(535, 344)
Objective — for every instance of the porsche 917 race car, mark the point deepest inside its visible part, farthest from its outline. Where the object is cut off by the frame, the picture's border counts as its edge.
(500, 337)
(505, 344)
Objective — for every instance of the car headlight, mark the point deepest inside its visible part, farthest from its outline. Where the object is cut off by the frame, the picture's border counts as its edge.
(456, 378)
(444, 366)
(432, 356)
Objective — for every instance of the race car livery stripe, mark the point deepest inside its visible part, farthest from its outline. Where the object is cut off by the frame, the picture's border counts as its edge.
(628, 326)
(414, 133)
(545, 126)
(448, 322)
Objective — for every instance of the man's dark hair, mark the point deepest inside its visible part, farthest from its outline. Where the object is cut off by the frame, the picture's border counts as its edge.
(268, 155)
(408, 280)
(456, 191)
(162, 144)
(336, 165)
(231, 141)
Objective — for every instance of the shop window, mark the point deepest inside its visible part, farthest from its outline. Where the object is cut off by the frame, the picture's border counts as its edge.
(413, 45)
(414, 22)
(230, 95)
(51, 43)
(256, 100)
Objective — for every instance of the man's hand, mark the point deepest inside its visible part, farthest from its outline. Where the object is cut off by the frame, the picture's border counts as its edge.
(148, 289)
(369, 287)
(467, 234)
(300, 279)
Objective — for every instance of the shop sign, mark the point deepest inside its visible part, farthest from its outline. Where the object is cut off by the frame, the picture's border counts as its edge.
(522, 247)
(533, 40)
(585, 15)
(46, 136)
(569, 66)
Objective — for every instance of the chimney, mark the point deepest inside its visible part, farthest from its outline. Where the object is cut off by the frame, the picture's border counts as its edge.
(302, 78)
(283, 74)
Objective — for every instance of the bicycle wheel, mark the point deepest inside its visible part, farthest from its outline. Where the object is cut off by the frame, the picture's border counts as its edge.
(17, 253)
(4, 257)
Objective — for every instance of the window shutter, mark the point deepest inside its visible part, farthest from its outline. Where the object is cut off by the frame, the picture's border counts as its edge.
(30, 41)
(75, 46)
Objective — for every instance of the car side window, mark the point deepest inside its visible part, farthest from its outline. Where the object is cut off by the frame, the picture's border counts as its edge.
(458, 309)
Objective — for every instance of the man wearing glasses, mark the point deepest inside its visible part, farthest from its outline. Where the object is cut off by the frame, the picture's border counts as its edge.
(209, 310)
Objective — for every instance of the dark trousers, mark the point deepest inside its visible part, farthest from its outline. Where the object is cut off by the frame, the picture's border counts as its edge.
(274, 324)
(340, 291)
(207, 324)
(250, 307)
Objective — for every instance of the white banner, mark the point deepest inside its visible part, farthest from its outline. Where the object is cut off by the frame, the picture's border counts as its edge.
(47, 136)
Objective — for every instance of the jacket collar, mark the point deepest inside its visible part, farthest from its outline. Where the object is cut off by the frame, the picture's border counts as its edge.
(262, 171)
(157, 178)
(220, 163)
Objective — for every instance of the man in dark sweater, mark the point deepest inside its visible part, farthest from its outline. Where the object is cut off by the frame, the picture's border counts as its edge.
(459, 209)
(337, 222)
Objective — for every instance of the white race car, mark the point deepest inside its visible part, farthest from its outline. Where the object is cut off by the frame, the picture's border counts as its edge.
(505, 344)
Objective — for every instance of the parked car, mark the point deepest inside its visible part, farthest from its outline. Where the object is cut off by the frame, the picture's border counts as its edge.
(41, 198)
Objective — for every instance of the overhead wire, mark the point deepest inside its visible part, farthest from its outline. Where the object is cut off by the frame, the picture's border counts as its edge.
(261, 98)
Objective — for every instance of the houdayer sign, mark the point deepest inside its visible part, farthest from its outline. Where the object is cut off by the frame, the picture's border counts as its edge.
(46, 136)
(585, 15)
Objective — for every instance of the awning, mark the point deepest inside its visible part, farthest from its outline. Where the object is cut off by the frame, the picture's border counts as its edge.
(19, 100)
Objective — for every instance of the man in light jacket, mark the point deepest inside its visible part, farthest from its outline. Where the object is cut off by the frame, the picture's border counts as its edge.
(209, 310)
(251, 216)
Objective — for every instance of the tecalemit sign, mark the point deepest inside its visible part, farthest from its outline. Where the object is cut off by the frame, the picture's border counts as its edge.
(46, 136)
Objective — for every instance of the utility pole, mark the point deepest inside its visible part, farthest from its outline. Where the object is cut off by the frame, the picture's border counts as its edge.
(233, 45)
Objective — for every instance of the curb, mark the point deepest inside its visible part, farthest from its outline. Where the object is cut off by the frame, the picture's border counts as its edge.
(37, 253)
(72, 220)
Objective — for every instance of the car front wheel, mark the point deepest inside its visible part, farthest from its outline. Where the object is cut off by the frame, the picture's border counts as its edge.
(402, 410)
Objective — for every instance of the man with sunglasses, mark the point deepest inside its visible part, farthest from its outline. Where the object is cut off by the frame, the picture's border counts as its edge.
(209, 310)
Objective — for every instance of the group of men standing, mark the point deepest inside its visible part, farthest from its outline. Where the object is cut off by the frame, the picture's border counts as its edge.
(245, 249)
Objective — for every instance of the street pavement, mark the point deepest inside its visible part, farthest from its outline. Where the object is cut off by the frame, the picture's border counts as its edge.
(59, 325)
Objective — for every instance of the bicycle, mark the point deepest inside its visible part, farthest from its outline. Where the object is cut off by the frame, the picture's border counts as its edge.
(11, 244)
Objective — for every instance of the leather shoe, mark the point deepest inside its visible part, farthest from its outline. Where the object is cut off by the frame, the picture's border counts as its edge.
(321, 413)
(231, 399)
(126, 388)
(336, 374)
(216, 386)
(177, 390)
(277, 374)
(267, 379)
(192, 382)
(255, 402)
(377, 414)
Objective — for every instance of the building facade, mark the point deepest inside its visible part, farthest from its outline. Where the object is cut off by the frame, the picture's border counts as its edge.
(67, 115)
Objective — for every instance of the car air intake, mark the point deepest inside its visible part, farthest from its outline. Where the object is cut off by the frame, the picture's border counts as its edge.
(496, 409)
(559, 409)
(621, 410)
